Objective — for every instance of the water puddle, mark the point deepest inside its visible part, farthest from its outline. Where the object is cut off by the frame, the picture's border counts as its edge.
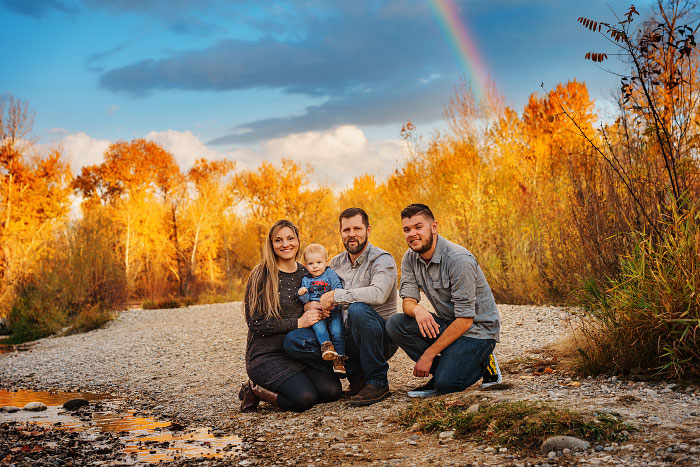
(142, 439)
(9, 348)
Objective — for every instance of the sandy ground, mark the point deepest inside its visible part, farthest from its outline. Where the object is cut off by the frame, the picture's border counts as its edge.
(187, 365)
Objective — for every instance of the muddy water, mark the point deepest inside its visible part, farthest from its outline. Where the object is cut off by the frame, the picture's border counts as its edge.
(145, 439)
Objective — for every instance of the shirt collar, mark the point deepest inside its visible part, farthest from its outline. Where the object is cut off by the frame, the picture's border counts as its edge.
(437, 254)
(360, 259)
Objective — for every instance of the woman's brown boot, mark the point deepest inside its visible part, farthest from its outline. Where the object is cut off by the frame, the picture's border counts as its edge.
(264, 394)
(249, 401)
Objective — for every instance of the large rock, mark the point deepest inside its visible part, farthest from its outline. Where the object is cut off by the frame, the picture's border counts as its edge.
(35, 407)
(9, 409)
(75, 404)
(559, 443)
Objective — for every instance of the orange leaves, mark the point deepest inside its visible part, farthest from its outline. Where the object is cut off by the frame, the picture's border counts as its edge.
(596, 57)
(589, 24)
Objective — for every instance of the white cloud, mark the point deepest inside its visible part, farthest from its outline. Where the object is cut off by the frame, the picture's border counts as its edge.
(185, 146)
(81, 150)
(336, 156)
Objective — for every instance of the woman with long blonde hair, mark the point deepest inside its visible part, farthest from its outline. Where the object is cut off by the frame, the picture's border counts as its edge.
(271, 311)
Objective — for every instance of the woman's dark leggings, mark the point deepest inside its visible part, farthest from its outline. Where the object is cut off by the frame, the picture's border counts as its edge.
(303, 390)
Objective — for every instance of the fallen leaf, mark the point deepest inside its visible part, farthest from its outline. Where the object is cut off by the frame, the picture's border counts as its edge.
(548, 370)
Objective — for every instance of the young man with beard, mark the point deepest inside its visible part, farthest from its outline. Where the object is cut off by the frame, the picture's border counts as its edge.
(454, 345)
(368, 299)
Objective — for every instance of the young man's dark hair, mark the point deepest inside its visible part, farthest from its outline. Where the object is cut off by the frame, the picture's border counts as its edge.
(415, 209)
(352, 212)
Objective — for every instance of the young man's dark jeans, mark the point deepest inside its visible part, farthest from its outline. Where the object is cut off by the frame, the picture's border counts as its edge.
(367, 345)
(457, 367)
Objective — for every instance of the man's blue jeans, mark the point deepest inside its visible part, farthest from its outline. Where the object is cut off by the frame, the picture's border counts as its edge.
(333, 325)
(458, 366)
(367, 345)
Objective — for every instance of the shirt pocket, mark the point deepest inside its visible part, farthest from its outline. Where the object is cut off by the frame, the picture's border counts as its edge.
(439, 278)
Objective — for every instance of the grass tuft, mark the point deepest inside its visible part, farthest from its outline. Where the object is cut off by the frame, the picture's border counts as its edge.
(519, 425)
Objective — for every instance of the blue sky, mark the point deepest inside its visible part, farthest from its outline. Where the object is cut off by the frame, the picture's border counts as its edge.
(328, 83)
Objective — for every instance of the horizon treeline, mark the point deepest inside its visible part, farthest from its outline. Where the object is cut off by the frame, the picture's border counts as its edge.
(523, 191)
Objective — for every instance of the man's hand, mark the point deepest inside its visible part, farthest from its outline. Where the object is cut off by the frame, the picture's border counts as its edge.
(423, 365)
(426, 323)
(328, 300)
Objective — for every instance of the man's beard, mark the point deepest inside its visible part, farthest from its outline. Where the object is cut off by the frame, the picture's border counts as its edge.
(425, 247)
(354, 250)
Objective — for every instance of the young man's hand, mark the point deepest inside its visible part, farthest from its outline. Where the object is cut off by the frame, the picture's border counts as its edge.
(426, 323)
(423, 365)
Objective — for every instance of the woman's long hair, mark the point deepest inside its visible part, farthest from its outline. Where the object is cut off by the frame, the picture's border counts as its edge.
(262, 290)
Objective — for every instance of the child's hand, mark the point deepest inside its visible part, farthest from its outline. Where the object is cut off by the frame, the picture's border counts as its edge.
(302, 291)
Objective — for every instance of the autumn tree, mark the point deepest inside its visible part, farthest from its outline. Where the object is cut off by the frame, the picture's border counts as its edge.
(134, 183)
(34, 195)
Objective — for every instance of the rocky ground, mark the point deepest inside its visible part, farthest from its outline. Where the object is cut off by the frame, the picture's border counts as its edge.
(187, 365)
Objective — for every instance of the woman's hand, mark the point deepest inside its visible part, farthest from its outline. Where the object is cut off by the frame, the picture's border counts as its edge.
(311, 316)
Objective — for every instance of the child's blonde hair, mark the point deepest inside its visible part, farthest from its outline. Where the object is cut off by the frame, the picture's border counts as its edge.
(315, 248)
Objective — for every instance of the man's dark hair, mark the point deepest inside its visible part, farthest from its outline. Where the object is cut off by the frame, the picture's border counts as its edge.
(415, 209)
(352, 212)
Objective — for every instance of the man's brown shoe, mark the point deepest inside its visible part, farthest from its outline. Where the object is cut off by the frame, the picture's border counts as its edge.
(369, 395)
(355, 387)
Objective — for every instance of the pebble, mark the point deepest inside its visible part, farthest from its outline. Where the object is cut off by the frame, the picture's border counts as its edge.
(474, 408)
(75, 404)
(446, 434)
(35, 407)
(559, 443)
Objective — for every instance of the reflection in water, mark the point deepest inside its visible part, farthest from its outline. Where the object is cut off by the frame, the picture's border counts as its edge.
(145, 439)
(21, 397)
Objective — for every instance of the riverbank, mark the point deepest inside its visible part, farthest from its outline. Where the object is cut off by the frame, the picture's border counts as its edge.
(187, 365)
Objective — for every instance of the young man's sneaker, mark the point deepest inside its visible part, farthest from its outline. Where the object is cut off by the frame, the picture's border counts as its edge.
(492, 375)
(328, 351)
(369, 395)
(339, 365)
(426, 390)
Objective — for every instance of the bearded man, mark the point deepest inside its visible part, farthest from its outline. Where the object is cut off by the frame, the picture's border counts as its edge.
(455, 344)
(368, 298)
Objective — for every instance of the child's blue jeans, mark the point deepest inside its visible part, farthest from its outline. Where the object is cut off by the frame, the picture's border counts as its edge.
(333, 325)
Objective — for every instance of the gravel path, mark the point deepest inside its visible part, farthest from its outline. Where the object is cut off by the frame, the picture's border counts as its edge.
(187, 364)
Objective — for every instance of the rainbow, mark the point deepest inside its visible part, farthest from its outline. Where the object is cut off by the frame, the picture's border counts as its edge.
(462, 45)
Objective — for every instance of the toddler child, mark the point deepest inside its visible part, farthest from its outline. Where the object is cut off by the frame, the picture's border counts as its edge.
(318, 281)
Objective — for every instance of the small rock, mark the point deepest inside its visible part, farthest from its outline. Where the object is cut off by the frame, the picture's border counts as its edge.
(417, 426)
(9, 409)
(566, 451)
(490, 450)
(446, 434)
(75, 404)
(502, 449)
(552, 454)
(599, 448)
(338, 446)
(35, 407)
(473, 408)
(559, 443)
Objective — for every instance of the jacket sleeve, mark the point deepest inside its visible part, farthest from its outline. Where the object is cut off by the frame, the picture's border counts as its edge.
(307, 296)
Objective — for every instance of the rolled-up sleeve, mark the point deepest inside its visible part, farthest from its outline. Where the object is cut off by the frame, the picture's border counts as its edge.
(463, 284)
(383, 278)
(409, 286)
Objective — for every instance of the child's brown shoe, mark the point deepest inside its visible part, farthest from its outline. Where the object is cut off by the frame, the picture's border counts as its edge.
(328, 351)
(339, 365)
